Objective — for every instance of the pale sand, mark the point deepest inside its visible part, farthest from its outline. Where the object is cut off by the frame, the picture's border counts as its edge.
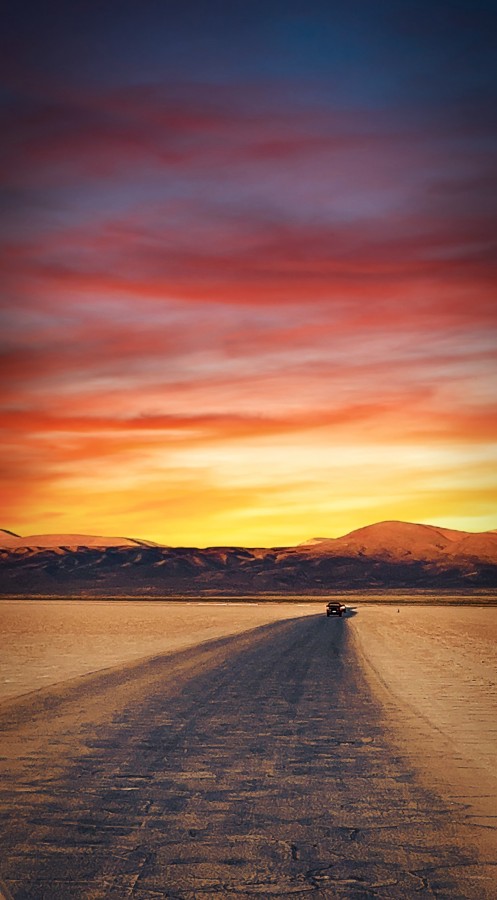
(45, 642)
(435, 670)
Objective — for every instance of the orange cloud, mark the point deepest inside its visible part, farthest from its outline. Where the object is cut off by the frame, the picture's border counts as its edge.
(241, 314)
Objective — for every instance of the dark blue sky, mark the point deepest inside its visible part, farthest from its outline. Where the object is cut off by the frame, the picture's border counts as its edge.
(363, 52)
(230, 228)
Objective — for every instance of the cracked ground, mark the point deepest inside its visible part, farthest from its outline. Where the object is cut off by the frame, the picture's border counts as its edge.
(259, 765)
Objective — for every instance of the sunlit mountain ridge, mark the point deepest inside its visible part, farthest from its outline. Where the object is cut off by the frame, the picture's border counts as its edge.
(382, 538)
(384, 555)
(406, 539)
(15, 541)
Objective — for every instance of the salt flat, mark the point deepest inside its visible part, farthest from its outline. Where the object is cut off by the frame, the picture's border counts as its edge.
(439, 662)
(306, 754)
(443, 664)
(45, 642)
(436, 671)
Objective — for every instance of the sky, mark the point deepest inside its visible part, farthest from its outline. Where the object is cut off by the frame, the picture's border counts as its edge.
(248, 267)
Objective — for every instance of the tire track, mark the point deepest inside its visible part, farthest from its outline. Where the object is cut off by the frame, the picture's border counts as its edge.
(259, 766)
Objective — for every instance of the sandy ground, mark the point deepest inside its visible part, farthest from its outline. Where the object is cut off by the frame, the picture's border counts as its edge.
(260, 764)
(443, 664)
(350, 758)
(436, 672)
(439, 665)
(45, 642)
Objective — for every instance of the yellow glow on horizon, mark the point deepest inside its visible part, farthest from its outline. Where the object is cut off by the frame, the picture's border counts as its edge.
(263, 493)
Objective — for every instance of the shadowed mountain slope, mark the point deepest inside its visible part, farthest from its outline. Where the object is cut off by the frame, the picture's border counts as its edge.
(384, 555)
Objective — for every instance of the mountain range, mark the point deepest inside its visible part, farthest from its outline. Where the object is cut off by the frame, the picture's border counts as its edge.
(381, 556)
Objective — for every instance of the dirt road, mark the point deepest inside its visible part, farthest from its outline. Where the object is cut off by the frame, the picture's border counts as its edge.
(255, 765)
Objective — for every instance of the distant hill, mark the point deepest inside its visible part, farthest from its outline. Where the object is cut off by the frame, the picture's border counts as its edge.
(405, 540)
(67, 541)
(384, 555)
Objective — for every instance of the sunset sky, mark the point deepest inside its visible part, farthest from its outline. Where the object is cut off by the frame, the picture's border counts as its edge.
(248, 268)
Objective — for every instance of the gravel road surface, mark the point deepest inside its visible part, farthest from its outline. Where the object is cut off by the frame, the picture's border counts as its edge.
(255, 765)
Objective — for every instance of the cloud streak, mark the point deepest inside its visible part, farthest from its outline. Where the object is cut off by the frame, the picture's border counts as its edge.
(213, 261)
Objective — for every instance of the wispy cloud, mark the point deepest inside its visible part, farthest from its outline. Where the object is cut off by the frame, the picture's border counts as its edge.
(213, 267)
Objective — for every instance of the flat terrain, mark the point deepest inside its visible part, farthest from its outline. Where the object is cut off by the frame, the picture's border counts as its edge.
(278, 762)
(48, 641)
(436, 671)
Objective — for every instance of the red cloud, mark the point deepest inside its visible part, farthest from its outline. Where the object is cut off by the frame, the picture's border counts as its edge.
(292, 273)
(373, 267)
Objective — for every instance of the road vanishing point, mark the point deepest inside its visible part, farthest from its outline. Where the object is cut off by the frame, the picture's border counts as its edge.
(260, 765)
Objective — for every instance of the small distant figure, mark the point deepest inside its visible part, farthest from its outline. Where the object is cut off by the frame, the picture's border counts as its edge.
(398, 610)
(335, 609)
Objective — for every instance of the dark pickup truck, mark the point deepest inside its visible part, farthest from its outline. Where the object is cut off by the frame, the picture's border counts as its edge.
(335, 609)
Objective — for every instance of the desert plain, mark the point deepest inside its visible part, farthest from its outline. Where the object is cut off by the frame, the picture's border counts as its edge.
(192, 750)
